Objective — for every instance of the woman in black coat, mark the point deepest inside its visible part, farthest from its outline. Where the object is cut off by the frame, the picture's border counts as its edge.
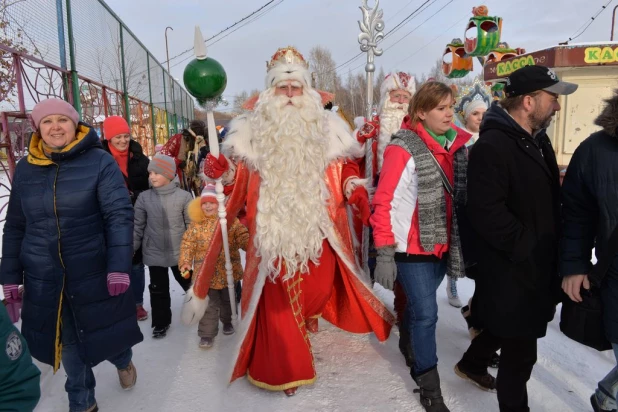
(134, 167)
(68, 239)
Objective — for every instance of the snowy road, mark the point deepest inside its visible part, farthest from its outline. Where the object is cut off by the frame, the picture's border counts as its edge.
(355, 373)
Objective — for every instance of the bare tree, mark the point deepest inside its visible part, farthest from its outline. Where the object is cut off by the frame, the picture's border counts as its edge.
(12, 35)
(322, 64)
(109, 66)
(239, 99)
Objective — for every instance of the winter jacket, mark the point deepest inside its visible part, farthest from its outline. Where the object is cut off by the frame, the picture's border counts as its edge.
(197, 238)
(137, 180)
(160, 221)
(513, 207)
(395, 216)
(69, 223)
(19, 377)
(590, 209)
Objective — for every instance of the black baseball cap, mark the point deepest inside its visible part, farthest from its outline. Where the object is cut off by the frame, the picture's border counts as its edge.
(529, 79)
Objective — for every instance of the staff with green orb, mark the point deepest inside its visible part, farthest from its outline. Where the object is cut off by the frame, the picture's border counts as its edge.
(205, 79)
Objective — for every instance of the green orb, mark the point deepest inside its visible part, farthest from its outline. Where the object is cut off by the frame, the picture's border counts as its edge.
(205, 79)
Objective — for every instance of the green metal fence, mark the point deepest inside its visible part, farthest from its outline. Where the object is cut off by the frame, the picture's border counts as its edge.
(80, 50)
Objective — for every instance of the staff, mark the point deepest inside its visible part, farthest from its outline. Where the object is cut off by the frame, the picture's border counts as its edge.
(371, 33)
(205, 79)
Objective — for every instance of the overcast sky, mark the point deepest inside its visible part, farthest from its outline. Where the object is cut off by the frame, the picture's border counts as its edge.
(531, 24)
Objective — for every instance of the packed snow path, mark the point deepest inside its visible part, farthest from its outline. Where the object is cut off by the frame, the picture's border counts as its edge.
(355, 373)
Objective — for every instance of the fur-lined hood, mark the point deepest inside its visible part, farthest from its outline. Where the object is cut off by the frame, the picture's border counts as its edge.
(608, 119)
(194, 209)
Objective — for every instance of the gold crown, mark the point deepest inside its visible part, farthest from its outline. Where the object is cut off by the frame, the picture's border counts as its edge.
(287, 55)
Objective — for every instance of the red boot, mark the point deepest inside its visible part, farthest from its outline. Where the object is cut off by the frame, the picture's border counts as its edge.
(291, 391)
(312, 325)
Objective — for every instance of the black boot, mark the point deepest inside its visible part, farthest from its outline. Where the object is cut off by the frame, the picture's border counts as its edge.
(431, 394)
(495, 361)
(404, 344)
(160, 303)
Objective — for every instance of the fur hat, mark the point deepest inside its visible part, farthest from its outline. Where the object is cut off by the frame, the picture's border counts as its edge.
(53, 106)
(163, 165)
(115, 125)
(287, 64)
(209, 194)
(395, 81)
(608, 118)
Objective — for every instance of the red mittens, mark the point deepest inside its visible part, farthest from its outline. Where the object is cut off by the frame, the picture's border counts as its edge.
(368, 131)
(360, 201)
(215, 167)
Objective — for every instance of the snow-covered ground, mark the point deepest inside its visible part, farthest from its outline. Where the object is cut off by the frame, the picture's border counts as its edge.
(355, 373)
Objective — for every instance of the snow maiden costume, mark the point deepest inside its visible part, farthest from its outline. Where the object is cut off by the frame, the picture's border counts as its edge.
(469, 99)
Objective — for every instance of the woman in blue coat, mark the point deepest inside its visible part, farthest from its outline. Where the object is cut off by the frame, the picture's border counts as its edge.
(68, 240)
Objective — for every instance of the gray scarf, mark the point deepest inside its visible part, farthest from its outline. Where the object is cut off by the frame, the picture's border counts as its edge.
(432, 198)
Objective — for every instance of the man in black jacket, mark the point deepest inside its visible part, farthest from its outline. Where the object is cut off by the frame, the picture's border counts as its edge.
(589, 216)
(514, 209)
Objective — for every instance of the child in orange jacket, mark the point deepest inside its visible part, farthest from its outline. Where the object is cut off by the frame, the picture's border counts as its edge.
(193, 248)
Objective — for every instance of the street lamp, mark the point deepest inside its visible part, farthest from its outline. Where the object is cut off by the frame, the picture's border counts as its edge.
(169, 73)
(167, 53)
(613, 22)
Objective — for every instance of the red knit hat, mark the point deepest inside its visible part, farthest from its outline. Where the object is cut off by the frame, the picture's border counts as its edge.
(115, 125)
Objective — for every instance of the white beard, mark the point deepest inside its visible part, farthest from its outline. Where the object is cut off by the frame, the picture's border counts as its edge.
(391, 117)
(292, 219)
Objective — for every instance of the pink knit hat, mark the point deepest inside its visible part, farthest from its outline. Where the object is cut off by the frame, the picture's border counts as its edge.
(209, 194)
(53, 106)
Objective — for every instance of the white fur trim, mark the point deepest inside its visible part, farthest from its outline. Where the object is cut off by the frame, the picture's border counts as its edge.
(194, 308)
(359, 121)
(393, 82)
(238, 141)
(286, 71)
(246, 319)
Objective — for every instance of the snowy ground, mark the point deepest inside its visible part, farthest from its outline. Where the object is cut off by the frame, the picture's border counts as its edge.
(355, 373)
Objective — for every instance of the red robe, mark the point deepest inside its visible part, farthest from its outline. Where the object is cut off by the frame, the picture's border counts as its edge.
(172, 149)
(274, 350)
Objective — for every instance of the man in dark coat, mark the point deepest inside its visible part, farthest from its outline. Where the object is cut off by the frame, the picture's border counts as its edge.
(589, 216)
(514, 209)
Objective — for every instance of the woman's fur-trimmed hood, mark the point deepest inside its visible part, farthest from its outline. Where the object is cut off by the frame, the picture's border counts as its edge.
(608, 119)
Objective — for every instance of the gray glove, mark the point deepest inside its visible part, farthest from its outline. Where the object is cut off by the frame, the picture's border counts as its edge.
(386, 269)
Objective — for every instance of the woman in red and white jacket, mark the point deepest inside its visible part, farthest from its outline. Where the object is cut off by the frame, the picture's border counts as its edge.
(413, 225)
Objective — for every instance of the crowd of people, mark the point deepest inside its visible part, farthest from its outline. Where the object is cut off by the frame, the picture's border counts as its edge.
(481, 200)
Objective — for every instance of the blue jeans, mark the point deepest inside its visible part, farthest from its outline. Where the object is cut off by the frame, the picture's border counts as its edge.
(608, 387)
(138, 282)
(80, 379)
(420, 281)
